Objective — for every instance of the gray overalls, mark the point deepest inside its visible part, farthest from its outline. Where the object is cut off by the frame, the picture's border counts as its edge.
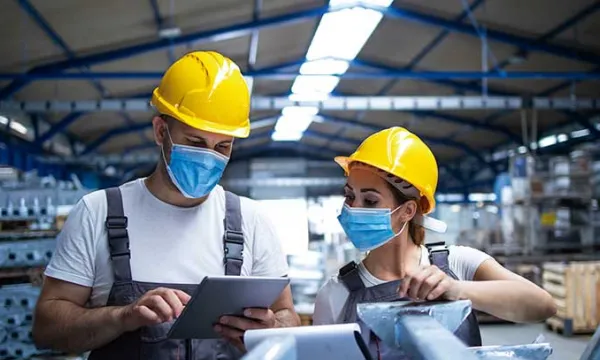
(151, 343)
(468, 332)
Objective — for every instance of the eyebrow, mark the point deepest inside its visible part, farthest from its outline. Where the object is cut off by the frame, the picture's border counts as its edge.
(362, 190)
(200, 138)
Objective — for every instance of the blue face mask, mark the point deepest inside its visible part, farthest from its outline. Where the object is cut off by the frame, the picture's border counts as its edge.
(368, 229)
(194, 171)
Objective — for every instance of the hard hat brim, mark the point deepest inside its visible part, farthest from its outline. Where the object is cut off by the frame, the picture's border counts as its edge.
(165, 108)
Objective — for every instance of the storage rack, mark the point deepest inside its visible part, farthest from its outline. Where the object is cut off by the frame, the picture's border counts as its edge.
(29, 209)
(552, 205)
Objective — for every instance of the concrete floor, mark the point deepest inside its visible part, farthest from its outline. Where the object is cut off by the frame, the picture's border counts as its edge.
(511, 334)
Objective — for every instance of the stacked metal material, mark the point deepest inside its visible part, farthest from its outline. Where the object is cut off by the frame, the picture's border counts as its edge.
(26, 253)
(16, 314)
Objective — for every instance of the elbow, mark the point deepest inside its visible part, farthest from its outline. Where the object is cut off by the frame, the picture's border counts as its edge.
(548, 308)
(39, 337)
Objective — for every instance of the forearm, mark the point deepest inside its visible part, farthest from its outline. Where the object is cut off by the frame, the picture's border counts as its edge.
(511, 300)
(64, 326)
(287, 318)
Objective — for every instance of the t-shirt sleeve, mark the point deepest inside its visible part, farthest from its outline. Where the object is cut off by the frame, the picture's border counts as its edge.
(73, 258)
(323, 314)
(464, 261)
(269, 259)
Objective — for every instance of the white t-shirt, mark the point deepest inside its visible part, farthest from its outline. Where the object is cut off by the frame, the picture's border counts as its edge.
(331, 298)
(168, 244)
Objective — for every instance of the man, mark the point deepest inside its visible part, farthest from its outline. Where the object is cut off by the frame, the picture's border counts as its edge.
(128, 258)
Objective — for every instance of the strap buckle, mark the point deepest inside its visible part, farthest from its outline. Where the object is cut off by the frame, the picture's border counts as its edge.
(116, 222)
(233, 251)
(121, 250)
(234, 236)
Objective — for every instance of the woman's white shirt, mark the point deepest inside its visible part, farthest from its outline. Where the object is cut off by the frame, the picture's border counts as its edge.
(462, 260)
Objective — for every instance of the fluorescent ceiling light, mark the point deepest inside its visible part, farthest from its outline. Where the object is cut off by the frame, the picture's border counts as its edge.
(324, 67)
(315, 84)
(340, 36)
(291, 127)
(18, 127)
(3, 120)
(580, 133)
(547, 141)
(475, 197)
(169, 32)
(305, 111)
(562, 137)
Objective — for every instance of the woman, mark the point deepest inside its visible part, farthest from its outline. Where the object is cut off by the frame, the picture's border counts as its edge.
(391, 183)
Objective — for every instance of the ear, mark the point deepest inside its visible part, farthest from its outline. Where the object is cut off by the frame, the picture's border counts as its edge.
(159, 128)
(407, 212)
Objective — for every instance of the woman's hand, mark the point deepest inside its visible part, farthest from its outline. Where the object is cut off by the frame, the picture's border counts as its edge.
(429, 283)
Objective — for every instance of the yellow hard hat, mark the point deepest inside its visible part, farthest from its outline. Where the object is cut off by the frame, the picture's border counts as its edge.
(401, 153)
(206, 91)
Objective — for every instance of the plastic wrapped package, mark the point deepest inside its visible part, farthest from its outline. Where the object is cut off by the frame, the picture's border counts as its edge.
(276, 348)
(528, 352)
(381, 317)
(424, 338)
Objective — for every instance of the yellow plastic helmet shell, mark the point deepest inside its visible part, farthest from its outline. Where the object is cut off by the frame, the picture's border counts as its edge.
(206, 91)
(399, 152)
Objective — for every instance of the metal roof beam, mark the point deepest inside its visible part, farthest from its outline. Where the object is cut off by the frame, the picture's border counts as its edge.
(253, 48)
(220, 34)
(523, 43)
(275, 74)
(58, 127)
(370, 128)
(352, 103)
(55, 37)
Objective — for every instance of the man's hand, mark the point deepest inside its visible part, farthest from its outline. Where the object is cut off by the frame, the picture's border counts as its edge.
(154, 307)
(429, 283)
(232, 327)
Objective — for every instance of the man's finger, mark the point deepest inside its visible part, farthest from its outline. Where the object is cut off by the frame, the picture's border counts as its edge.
(229, 332)
(241, 323)
(263, 315)
(148, 315)
(157, 304)
(183, 296)
(173, 301)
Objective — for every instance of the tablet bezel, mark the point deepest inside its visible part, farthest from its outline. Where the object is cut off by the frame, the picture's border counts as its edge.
(277, 284)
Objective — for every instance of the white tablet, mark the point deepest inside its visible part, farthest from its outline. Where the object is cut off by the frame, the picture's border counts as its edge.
(217, 296)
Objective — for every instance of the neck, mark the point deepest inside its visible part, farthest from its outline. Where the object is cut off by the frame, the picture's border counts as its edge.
(161, 186)
(392, 260)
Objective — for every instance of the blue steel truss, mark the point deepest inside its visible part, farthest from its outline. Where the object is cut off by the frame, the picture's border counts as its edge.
(525, 45)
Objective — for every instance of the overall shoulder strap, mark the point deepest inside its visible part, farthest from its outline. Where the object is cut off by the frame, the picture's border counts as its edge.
(350, 277)
(118, 238)
(233, 238)
(438, 254)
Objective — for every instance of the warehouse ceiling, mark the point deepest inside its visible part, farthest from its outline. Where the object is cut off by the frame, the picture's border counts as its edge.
(532, 36)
